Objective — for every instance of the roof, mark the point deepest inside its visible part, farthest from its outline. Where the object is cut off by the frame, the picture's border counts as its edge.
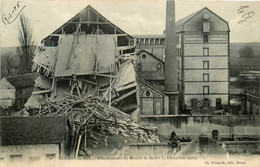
(148, 75)
(196, 145)
(179, 26)
(141, 51)
(159, 89)
(90, 8)
(149, 36)
(22, 81)
(32, 130)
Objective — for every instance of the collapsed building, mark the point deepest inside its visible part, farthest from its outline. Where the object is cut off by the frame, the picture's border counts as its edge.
(83, 73)
(84, 56)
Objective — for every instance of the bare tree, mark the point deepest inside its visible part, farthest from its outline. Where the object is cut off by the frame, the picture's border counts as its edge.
(27, 45)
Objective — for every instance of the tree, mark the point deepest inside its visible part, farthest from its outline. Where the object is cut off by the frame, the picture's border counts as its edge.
(27, 45)
(8, 65)
(246, 52)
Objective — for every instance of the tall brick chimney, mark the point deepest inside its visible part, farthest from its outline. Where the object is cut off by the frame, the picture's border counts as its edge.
(171, 69)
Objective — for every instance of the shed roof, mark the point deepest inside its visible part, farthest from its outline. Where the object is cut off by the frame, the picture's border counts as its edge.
(32, 130)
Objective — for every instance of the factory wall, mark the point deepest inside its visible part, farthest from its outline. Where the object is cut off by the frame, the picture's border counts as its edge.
(148, 63)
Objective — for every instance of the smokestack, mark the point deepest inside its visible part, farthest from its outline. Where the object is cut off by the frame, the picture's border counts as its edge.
(171, 69)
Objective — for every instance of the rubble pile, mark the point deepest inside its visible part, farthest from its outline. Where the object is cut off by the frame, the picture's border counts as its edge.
(91, 118)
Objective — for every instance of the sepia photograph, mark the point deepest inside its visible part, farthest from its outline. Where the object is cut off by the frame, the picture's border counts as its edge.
(130, 83)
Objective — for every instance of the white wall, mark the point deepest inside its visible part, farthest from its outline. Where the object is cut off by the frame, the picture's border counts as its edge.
(214, 75)
(197, 49)
(214, 62)
(29, 151)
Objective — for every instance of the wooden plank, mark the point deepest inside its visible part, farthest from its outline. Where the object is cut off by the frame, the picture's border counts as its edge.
(87, 81)
(41, 92)
(110, 87)
(85, 142)
(77, 151)
(105, 75)
(124, 96)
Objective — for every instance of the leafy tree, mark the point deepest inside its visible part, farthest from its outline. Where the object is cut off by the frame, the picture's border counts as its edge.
(27, 45)
(246, 52)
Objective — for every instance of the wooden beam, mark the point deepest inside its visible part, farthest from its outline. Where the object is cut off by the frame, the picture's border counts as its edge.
(89, 22)
(77, 151)
(105, 75)
(87, 81)
(110, 87)
(41, 92)
(124, 96)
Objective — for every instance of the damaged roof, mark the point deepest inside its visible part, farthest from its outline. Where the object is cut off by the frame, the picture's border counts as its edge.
(86, 16)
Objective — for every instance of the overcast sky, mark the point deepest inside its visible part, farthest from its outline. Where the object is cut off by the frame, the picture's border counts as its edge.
(132, 16)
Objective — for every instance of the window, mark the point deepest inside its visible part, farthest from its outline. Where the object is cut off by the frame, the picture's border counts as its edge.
(139, 66)
(144, 56)
(206, 27)
(205, 90)
(50, 156)
(157, 41)
(159, 67)
(147, 93)
(141, 41)
(205, 64)
(146, 41)
(206, 103)
(205, 77)
(162, 42)
(152, 41)
(206, 39)
(205, 51)
(177, 40)
(16, 157)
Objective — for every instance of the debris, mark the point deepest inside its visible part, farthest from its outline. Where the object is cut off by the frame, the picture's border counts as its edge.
(84, 78)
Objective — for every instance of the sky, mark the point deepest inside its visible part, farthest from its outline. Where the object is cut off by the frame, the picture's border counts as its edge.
(132, 16)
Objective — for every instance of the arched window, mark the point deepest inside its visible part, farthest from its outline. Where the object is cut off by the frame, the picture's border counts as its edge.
(206, 103)
(147, 93)
(159, 67)
(218, 104)
(139, 66)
